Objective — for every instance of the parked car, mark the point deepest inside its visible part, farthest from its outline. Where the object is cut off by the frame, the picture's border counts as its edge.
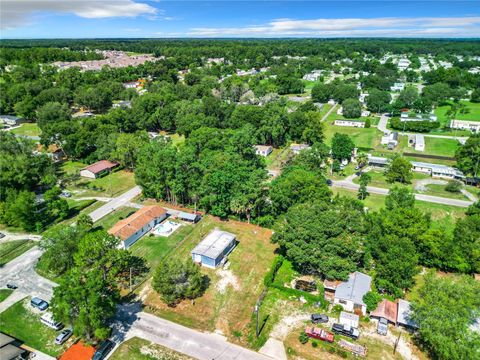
(358, 173)
(66, 194)
(346, 330)
(2, 235)
(319, 318)
(103, 350)
(63, 336)
(12, 286)
(382, 327)
(48, 320)
(39, 303)
(329, 182)
(320, 334)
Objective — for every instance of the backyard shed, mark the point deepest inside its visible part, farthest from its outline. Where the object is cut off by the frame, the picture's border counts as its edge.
(349, 319)
(98, 169)
(189, 217)
(213, 248)
(404, 314)
(386, 309)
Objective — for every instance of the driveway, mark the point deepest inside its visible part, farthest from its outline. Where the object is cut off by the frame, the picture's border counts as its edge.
(115, 203)
(131, 322)
(18, 236)
(21, 272)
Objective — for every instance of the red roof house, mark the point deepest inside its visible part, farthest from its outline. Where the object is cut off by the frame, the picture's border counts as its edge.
(386, 309)
(97, 169)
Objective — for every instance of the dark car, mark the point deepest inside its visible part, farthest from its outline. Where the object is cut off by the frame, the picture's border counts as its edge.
(12, 286)
(63, 336)
(39, 303)
(329, 182)
(2, 235)
(103, 350)
(358, 173)
(346, 330)
(319, 318)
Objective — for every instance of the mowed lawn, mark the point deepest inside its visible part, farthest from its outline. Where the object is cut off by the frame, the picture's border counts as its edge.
(27, 129)
(472, 115)
(12, 249)
(363, 138)
(23, 323)
(139, 349)
(5, 293)
(433, 146)
(111, 219)
(225, 309)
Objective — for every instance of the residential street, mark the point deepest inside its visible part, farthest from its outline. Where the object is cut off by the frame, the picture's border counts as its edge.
(18, 236)
(381, 191)
(115, 203)
(329, 112)
(21, 272)
(131, 321)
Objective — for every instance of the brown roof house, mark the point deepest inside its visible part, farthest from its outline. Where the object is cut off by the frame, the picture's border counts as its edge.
(132, 228)
(98, 169)
(386, 309)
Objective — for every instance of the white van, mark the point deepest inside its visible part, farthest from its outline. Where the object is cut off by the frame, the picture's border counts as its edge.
(48, 320)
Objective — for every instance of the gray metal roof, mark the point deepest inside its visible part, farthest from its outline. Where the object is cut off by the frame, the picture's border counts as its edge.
(377, 160)
(5, 339)
(437, 168)
(9, 117)
(214, 244)
(355, 288)
(404, 313)
(188, 216)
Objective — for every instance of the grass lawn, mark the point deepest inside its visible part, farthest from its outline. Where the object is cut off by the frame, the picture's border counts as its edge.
(364, 138)
(21, 322)
(111, 219)
(472, 115)
(433, 146)
(12, 249)
(109, 186)
(27, 129)
(154, 248)
(277, 158)
(139, 349)
(226, 308)
(5, 293)
(325, 109)
(439, 190)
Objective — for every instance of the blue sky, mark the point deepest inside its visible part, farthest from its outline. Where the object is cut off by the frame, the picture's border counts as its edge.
(147, 19)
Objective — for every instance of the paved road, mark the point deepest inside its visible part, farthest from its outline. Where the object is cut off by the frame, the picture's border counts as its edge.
(18, 236)
(115, 203)
(381, 191)
(21, 272)
(382, 124)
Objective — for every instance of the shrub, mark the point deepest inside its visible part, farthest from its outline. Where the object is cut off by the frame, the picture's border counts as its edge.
(303, 338)
(368, 123)
(453, 186)
(420, 126)
(314, 343)
(270, 276)
(371, 299)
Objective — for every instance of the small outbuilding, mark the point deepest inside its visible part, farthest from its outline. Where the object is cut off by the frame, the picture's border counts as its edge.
(190, 217)
(404, 315)
(10, 120)
(98, 169)
(386, 309)
(214, 248)
(349, 319)
(263, 150)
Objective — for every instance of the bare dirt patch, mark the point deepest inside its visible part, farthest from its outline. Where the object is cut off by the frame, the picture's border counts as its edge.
(227, 278)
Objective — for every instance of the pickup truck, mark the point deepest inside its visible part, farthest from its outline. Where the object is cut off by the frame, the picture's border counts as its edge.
(382, 327)
(320, 334)
(346, 330)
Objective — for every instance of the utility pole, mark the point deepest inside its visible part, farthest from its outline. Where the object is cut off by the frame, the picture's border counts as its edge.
(257, 309)
(130, 279)
(396, 342)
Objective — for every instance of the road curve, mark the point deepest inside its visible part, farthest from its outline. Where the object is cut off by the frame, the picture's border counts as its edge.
(115, 203)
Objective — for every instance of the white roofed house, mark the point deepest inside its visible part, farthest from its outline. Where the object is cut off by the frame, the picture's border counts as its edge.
(419, 142)
(349, 294)
(473, 126)
(214, 248)
(263, 150)
(437, 170)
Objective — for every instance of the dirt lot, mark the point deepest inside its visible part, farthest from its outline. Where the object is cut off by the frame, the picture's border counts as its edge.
(227, 305)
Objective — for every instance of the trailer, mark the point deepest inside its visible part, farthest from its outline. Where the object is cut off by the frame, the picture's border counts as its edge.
(320, 334)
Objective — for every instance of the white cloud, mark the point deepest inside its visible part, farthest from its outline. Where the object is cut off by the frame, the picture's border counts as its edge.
(15, 13)
(384, 27)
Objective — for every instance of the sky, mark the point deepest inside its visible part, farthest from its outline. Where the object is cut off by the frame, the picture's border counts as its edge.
(233, 19)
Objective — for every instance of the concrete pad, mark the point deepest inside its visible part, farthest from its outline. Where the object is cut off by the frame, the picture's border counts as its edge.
(274, 348)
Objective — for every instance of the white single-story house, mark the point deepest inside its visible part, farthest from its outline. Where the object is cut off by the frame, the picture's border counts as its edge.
(132, 228)
(436, 170)
(419, 142)
(377, 161)
(351, 123)
(397, 87)
(122, 104)
(263, 150)
(349, 319)
(473, 126)
(98, 169)
(349, 294)
(10, 120)
(213, 249)
(296, 148)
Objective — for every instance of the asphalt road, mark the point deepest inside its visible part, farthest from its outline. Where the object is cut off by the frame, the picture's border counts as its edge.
(131, 321)
(21, 272)
(115, 203)
(381, 191)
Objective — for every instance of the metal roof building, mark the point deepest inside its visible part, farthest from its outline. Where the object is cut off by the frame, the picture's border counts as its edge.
(213, 248)
(437, 170)
(404, 313)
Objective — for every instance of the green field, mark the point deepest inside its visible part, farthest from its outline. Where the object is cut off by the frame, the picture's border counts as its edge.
(111, 219)
(27, 129)
(22, 323)
(139, 349)
(5, 293)
(433, 146)
(154, 248)
(12, 249)
(364, 139)
(472, 115)
(109, 186)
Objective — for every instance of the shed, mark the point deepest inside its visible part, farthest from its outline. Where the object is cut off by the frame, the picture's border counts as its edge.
(386, 309)
(189, 217)
(349, 319)
(98, 169)
(213, 248)
(404, 314)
